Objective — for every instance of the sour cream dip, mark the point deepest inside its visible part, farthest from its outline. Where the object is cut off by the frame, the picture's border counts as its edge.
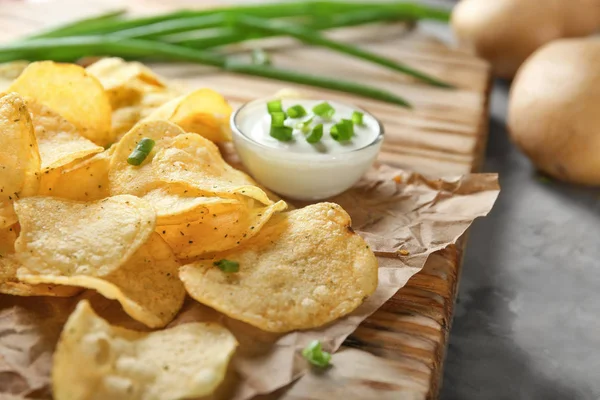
(296, 168)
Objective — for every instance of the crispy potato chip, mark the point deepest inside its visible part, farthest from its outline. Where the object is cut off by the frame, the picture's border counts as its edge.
(125, 82)
(65, 237)
(173, 202)
(147, 285)
(223, 228)
(9, 72)
(9, 284)
(71, 92)
(94, 360)
(304, 269)
(203, 111)
(196, 161)
(19, 156)
(58, 140)
(83, 180)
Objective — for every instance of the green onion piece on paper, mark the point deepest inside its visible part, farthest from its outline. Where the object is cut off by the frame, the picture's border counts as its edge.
(141, 151)
(357, 118)
(227, 266)
(324, 110)
(342, 131)
(316, 134)
(281, 133)
(278, 118)
(296, 111)
(274, 106)
(315, 355)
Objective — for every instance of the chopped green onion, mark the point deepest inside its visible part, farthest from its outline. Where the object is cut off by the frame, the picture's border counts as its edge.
(305, 125)
(227, 266)
(281, 133)
(141, 151)
(274, 106)
(296, 111)
(278, 118)
(316, 134)
(260, 57)
(324, 110)
(357, 118)
(343, 130)
(315, 355)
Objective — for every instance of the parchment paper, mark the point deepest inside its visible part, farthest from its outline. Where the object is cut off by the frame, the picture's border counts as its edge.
(404, 216)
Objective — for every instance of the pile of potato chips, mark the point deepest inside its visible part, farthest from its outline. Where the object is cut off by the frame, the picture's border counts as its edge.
(76, 215)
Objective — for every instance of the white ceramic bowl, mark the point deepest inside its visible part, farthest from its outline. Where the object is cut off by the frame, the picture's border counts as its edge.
(302, 176)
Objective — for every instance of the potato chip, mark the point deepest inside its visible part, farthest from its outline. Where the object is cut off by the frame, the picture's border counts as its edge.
(203, 111)
(65, 237)
(221, 229)
(58, 140)
(147, 285)
(71, 92)
(19, 156)
(125, 82)
(196, 161)
(172, 201)
(9, 284)
(9, 72)
(83, 180)
(304, 269)
(94, 360)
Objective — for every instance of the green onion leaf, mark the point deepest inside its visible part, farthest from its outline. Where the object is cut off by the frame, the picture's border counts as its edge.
(281, 133)
(343, 130)
(274, 106)
(305, 125)
(227, 266)
(296, 111)
(141, 151)
(278, 118)
(324, 110)
(316, 134)
(315, 355)
(357, 118)
(260, 57)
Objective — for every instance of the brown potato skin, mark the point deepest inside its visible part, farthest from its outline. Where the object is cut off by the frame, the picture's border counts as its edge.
(506, 32)
(554, 110)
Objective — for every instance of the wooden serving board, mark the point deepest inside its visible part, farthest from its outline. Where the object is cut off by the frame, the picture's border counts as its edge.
(443, 135)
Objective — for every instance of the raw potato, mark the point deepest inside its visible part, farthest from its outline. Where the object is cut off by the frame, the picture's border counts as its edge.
(506, 32)
(305, 268)
(65, 237)
(96, 361)
(553, 110)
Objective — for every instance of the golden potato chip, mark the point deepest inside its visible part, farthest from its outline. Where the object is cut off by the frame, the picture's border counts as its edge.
(83, 180)
(203, 111)
(304, 269)
(9, 72)
(58, 140)
(125, 82)
(9, 284)
(147, 285)
(196, 161)
(221, 229)
(65, 237)
(71, 92)
(172, 201)
(19, 156)
(94, 360)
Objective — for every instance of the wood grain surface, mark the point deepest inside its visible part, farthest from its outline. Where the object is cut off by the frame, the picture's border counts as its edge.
(443, 135)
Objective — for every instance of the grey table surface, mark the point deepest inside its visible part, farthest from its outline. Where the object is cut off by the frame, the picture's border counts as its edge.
(527, 318)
